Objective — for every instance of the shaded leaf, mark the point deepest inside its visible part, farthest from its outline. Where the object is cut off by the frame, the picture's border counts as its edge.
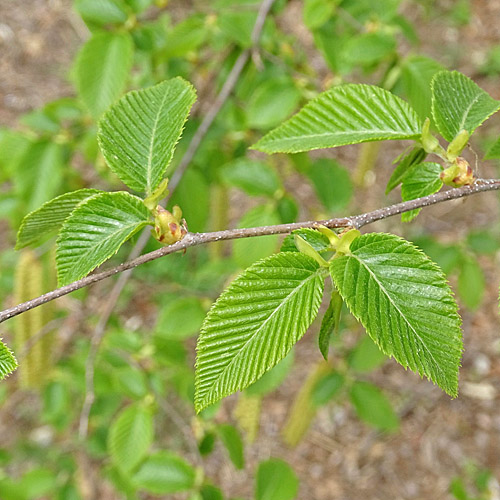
(138, 134)
(373, 407)
(326, 388)
(471, 282)
(232, 441)
(317, 240)
(332, 184)
(272, 379)
(102, 11)
(329, 324)
(366, 356)
(494, 152)
(246, 251)
(421, 180)
(102, 69)
(403, 300)
(458, 104)
(180, 318)
(255, 323)
(49, 217)
(416, 76)
(130, 436)
(164, 472)
(254, 177)
(95, 231)
(348, 114)
(414, 157)
(276, 480)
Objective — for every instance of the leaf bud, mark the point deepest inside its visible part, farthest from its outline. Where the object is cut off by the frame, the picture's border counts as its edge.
(458, 174)
(457, 145)
(169, 227)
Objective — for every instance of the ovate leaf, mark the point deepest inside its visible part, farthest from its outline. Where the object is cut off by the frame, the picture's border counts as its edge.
(102, 12)
(255, 323)
(276, 480)
(233, 443)
(329, 324)
(348, 114)
(373, 407)
(494, 151)
(49, 217)
(130, 437)
(102, 68)
(458, 104)
(416, 76)
(95, 231)
(415, 156)
(403, 300)
(138, 134)
(421, 180)
(246, 251)
(8, 362)
(164, 473)
(254, 177)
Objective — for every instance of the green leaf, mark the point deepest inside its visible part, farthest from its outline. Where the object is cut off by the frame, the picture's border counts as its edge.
(130, 436)
(348, 114)
(233, 443)
(416, 76)
(43, 161)
(272, 379)
(373, 407)
(163, 473)
(8, 362)
(95, 231)
(471, 283)
(329, 324)
(180, 319)
(317, 240)
(368, 48)
(317, 12)
(366, 356)
(458, 104)
(326, 388)
(421, 180)
(494, 152)
(102, 69)
(253, 177)
(237, 26)
(403, 300)
(49, 217)
(414, 157)
(255, 323)
(332, 184)
(185, 37)
(276, 480)
(272, 102)
(102, 12)
(246, 251)
(138, 134)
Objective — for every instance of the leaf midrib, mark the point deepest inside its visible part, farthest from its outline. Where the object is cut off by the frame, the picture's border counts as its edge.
(153, 137)
(386, 293)
(313, 275)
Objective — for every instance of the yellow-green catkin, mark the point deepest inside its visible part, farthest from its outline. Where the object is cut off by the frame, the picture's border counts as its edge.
(34, 345)
(247, 414)
(303, 410)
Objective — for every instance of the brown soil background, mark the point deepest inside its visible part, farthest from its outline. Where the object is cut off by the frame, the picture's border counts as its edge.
(340, 458)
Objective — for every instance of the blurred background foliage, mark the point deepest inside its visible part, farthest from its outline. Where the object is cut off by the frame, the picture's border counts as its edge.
(144, 440)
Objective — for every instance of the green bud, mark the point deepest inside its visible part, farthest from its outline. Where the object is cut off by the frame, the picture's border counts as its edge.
(304, 247)
(158, 194)
(346, 239)
(457, 145)
(169, 228)
(331, 235)
(429, 142)
(458, 174)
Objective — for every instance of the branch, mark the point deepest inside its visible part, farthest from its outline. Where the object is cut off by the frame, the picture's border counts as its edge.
(195, 239)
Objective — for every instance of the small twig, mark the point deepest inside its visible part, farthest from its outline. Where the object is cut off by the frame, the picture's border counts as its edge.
(202, 130)
(195, 239)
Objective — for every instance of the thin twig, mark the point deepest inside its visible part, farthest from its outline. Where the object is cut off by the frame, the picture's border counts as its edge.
(195, 239)
(202, 130)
